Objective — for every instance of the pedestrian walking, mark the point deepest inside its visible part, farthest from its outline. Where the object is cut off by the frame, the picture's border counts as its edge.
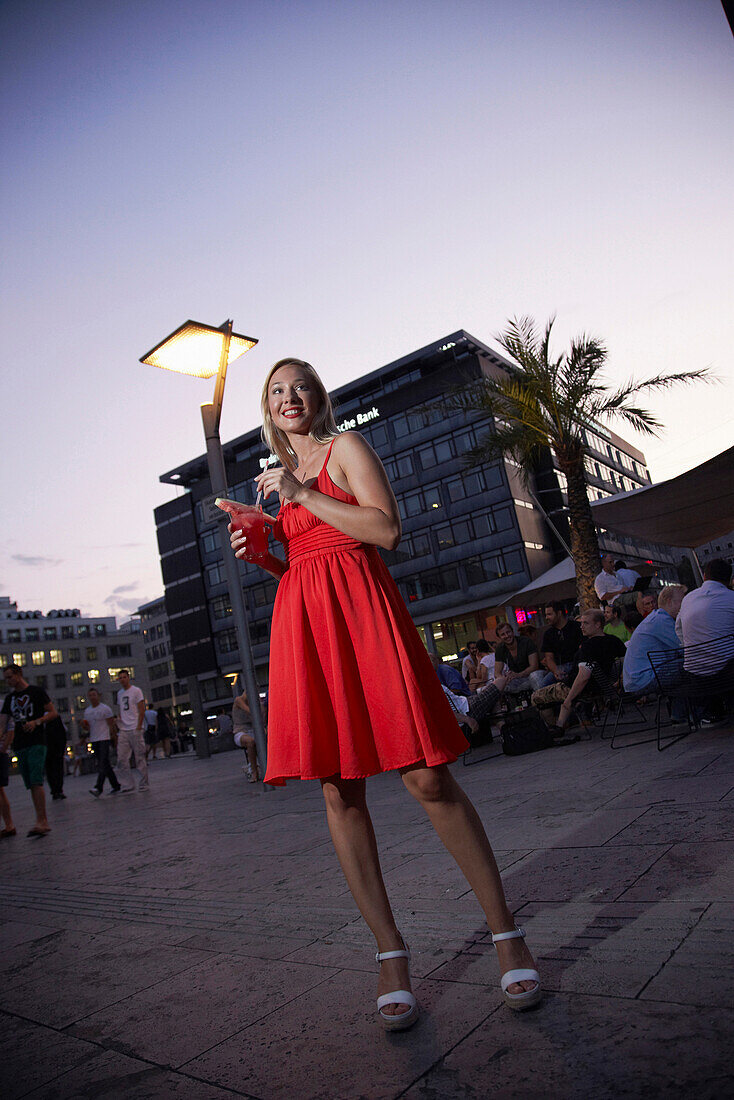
(150, 734)
(99, 723)
(56, 738)
(130, 722)
(31, 710)
(8, 825)
(361, 696)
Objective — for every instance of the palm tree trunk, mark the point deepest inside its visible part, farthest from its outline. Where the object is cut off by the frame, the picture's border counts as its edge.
(584, 542)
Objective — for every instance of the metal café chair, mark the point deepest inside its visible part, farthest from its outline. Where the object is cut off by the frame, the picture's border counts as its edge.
(695, 675)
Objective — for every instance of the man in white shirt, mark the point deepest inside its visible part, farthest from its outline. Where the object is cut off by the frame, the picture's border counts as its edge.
(707, 613)
(99, 724)
(630, 577)
(131, 707)
(150, 735)
(607, 584)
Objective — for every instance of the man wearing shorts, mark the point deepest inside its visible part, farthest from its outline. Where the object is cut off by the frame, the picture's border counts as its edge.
(31, 710)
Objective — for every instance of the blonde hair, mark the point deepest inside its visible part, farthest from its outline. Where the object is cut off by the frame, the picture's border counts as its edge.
(323, 429)
(669, 594)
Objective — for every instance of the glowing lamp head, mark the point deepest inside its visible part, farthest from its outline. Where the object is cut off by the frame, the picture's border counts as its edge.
(195, 349)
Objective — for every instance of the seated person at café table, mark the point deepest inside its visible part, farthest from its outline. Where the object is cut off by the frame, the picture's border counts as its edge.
(597, 649)
(707, 614)
(560, 643)
(449, 677)
(630, 577)
(655, 632)
(615, 624)
(484, 674)
(516, 662)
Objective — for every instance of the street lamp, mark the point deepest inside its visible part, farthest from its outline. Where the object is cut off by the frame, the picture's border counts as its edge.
(203, 351)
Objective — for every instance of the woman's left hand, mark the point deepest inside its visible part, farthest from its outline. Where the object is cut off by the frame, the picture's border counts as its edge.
(280, 481)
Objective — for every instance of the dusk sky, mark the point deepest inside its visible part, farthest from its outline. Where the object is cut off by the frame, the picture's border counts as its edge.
(349, 182)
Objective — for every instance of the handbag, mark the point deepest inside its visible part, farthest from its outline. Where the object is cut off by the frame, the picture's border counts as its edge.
(524, 731)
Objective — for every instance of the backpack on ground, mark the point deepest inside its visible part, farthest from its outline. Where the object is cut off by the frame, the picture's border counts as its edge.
(524, 731)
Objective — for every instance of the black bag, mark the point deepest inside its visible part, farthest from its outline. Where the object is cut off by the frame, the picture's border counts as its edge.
(524, 731)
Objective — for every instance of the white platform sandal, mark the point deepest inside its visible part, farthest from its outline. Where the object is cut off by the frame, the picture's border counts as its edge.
(519, 1001)
(403, 1020)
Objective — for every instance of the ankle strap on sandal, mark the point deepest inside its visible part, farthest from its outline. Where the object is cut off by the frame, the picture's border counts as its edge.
(517, 933)
(382, 955)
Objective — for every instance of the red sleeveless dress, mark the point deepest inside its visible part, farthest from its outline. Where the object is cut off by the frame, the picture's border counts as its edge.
(355, 692)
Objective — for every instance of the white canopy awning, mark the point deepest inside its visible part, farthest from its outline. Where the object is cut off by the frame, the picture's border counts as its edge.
(688, 510)
(557, 583)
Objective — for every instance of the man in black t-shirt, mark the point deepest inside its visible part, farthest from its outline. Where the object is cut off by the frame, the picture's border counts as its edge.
(516, 662)
(560, 644)
(31, 710)
(597, 648)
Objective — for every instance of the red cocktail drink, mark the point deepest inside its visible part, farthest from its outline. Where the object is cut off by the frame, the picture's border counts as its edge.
(251, 522)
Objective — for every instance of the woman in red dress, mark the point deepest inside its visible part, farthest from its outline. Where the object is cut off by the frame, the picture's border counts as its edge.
(363, 696)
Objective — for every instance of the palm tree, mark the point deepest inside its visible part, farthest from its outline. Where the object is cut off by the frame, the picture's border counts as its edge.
(547, 404)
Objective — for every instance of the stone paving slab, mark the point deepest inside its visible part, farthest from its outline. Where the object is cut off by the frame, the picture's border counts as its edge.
(118, 1077)
(702, 871)
(162, 1023)
(581, 1047)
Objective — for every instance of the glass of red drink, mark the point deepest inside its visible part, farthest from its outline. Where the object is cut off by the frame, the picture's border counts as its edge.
(251, 522)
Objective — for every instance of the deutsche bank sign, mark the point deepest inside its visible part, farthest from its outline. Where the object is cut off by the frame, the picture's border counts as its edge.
(361, 418)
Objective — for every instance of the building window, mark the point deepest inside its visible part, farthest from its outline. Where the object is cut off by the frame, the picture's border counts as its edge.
(67, 632)
(75, 679)
(13, 635)
(118, 651)
(59, 680)
(62, 704)
(32, 635)
(93, 675)
(19, 659)
(42, 682)
(49, 634)
(210, 542)
(227, 641)
(83, 631)
(221, 607)
(4, 660)
(56, 656)
(263, 594)
(91, 653)
(215, 575)
(100, 629)
(38, 657)
(377, 435)
(467, 485)
(80, 702)
(433, 582)
(73, 655)
(113, 673)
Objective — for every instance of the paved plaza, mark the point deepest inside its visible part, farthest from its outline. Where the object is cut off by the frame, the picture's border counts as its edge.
(198, 941)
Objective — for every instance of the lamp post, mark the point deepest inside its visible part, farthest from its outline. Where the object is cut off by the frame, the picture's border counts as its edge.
(204, 351)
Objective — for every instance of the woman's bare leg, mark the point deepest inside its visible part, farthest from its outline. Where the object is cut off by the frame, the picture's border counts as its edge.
(353, 837)
(458, 825)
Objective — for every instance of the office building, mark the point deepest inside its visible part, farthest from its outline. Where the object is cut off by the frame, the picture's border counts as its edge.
(66, 653)
(166, 690)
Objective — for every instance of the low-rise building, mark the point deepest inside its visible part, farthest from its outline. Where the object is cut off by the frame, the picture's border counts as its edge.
(66, 653)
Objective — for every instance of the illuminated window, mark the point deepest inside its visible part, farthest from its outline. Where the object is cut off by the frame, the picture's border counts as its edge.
(38, 657)
(75, 679)
(114, 672)
(4, 661)
(56, 656)
(83, 631)
(91, 653)
(93, 675)
(19, 659)
(49, 634)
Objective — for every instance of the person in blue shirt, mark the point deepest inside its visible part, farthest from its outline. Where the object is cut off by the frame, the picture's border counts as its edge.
(450, 678)
(656, 631)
